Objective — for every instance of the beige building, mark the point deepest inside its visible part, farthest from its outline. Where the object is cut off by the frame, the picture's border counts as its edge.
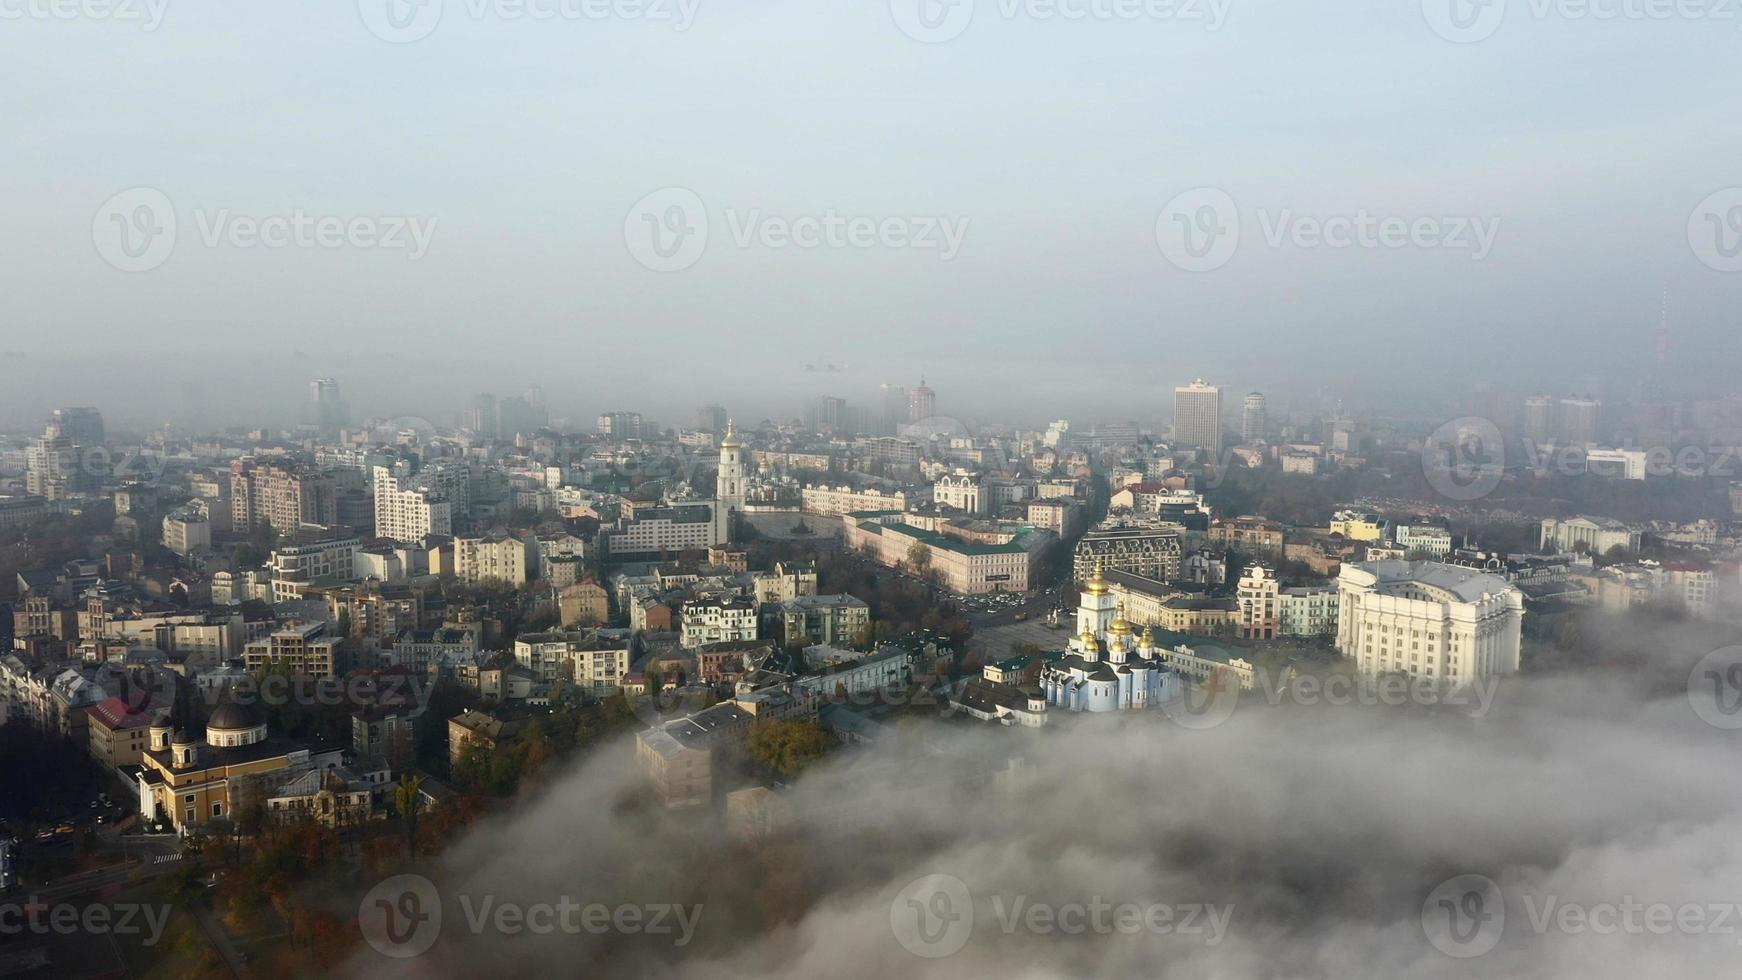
(677, 756)
(190, 782)
(718, 621)
(282, 496)
(486, 730)
(1258, 596)
(497, 558)
(1252, 535)
(118, 732)
(301, 649)
(187, 531)
(837, 501)
(584, 604)
(969, 569)
(788, 581)
(1150, 602)
(409, 513)
(836, 620)
(682, 775)
(333, 798)
(1060, 515)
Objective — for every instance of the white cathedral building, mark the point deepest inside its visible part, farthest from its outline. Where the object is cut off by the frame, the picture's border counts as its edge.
(1108, 668)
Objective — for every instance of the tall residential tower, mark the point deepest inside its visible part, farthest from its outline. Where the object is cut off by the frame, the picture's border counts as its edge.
(1197, 416)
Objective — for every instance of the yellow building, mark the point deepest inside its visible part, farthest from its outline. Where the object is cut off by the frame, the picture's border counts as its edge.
(189, 782)
(1154, 603)
(1356, 526)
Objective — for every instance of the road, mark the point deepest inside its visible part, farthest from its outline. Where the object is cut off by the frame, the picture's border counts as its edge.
(147, 858)
(220, 939)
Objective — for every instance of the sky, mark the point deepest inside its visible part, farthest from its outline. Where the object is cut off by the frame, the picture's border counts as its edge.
(539, 156)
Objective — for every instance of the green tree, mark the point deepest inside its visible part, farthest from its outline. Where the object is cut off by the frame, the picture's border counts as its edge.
(919, 556)
(408, 800)
(787, 748)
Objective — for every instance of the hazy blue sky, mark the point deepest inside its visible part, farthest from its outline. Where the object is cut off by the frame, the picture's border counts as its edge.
(528, 143)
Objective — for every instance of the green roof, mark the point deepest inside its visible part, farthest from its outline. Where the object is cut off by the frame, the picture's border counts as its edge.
(1019, 662)
(936, 540)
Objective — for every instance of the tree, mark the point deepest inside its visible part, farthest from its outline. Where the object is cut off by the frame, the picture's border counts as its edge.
(788, 748)
(919, 556)
(408, 799)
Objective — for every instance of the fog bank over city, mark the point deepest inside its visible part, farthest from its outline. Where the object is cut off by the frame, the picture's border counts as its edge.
(206, 391)
(1597, 788)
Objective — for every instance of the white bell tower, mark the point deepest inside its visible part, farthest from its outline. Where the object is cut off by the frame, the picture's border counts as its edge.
(729, 486)
(1096, 609)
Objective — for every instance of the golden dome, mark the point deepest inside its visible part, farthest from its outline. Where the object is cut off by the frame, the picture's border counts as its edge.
(1088, 639)
(1148, 637)
(731, 441)
(1097, 584)
(1119, 625)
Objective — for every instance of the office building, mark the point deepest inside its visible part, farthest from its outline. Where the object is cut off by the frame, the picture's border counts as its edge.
(1254, 419)
(922, 403)
(325, 409)
(1197, 417)
(622, 425)
(84, 426)
(1577, 421)
(1445, 623)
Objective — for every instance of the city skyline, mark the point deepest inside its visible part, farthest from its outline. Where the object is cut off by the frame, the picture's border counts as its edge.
(916, 488)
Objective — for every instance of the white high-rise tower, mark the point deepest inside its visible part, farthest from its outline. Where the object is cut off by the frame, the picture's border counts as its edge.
(729, 486)
(1197, 417)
